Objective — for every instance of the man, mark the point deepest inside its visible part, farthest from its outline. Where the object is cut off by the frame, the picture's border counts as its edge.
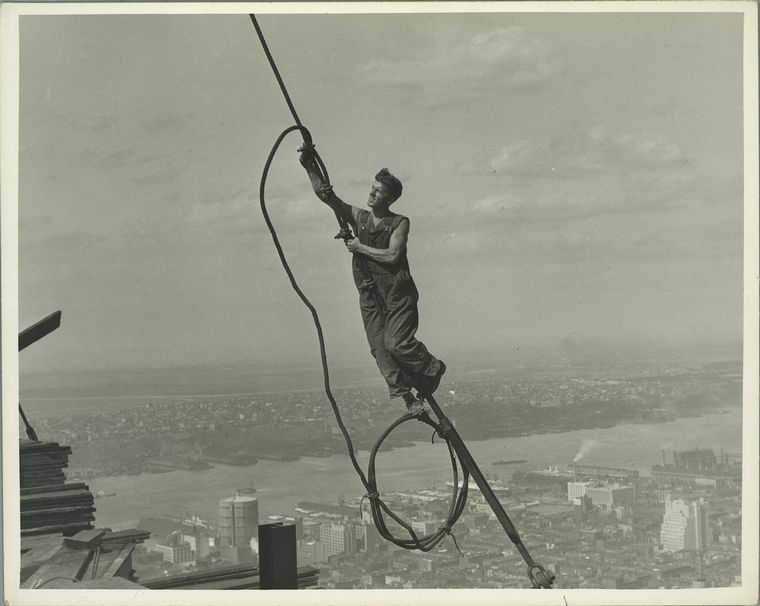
(387, 294)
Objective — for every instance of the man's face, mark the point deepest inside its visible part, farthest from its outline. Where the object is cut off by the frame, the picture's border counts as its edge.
(379, 196)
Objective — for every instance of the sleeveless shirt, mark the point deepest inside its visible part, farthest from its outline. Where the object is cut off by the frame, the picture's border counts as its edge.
(393, 280)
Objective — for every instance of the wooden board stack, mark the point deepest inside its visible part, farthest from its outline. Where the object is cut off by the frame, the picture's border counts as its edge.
(48, 503)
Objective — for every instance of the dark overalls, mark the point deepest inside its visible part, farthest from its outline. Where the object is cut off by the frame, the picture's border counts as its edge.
(403, 361)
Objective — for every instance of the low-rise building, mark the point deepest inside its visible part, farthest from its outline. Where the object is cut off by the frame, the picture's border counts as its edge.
(178, 553)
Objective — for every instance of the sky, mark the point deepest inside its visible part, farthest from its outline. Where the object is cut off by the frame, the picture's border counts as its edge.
(566, 176)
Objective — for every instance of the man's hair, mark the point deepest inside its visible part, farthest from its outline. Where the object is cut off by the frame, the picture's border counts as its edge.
(392, 183)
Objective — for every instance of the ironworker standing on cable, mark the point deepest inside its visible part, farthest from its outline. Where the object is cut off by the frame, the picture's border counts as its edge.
(387, 293)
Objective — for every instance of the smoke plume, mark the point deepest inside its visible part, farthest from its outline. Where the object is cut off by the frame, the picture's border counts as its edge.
(585, 448)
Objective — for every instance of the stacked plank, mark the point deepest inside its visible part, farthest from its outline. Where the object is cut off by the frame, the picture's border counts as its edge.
(42, 463)
(48, 503)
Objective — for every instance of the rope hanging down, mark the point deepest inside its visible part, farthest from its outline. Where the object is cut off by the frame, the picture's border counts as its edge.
(378, 507)
(540, 577)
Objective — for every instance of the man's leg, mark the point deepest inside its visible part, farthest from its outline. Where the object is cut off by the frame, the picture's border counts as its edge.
(374, 326)
(423, 369)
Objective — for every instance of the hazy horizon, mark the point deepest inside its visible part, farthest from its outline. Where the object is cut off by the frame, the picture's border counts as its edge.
(273, 376)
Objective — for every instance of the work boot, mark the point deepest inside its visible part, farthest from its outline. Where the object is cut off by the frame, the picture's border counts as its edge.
(439, 374)
(433, 381)
(414, 406)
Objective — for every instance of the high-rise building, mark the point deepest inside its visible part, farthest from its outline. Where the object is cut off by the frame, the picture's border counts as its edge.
(310, 553)
(199, 543)
(372, 540)
(685, 525)
(338, 538)
(239, 519)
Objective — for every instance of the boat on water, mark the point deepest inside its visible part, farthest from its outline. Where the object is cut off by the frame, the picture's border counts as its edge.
(101, 494)
(497, 486)
(510, 462)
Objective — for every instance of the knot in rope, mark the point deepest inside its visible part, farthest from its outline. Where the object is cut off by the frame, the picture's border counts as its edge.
(445, 529)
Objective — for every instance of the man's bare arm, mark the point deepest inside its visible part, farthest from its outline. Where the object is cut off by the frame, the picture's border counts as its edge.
(392, 254)
(324, 191)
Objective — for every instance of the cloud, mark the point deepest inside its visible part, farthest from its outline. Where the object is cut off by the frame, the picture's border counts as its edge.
(123, 158)
(587, 174)
(539, 206)
(224, 211)
(72, 119)
(498, 205)
(164, 174)
(594, 195)
(305, 209)
(129, 158)
(35, 225)
(466, 241)
(638, 199)
(461, 69)
(171, 197)
(68, 246)
(574, 154)
(166, 121)
(96, 121)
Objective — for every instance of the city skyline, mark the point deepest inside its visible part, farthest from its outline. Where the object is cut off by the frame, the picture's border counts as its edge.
(328, 528)
(605, 447)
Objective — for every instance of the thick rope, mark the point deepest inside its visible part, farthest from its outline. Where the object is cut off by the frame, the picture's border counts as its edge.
(459, 497)
(379, 508)
(538, 575)
(276, 72)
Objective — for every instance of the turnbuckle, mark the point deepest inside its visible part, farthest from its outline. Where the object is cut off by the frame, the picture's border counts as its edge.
(540, 577)
(444, 427)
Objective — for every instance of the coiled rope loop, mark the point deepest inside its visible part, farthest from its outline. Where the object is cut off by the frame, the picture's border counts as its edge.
(456, 504)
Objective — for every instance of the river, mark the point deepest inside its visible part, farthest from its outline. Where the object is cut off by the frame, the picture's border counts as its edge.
(280, 485)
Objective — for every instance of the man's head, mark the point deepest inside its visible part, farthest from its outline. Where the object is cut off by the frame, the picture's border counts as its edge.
(385, 190)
